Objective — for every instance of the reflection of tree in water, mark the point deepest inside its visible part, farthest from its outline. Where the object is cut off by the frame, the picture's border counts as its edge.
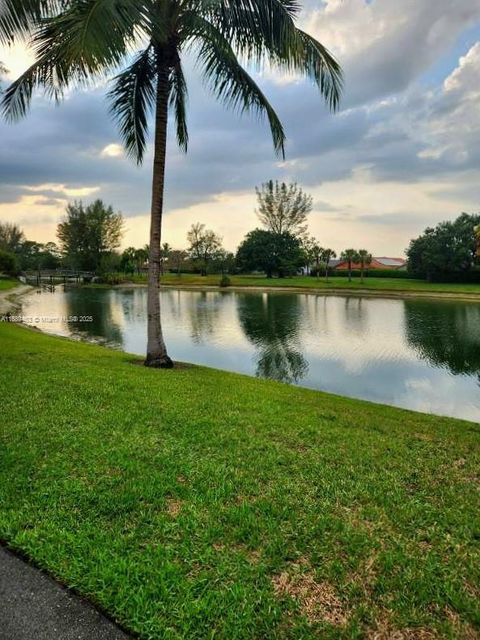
(101, 306)
(271, 323)
(446, 334)
(355, 315)
(204, 311)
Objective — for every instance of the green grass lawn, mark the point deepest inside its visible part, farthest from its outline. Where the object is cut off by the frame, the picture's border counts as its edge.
(195, 503)
(7, 283)
(375, 284)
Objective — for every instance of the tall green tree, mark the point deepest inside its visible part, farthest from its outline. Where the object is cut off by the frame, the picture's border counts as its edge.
(11, 237)
(313, 253)
(205, 246)
(273, 253)
(83, 39)
(351, 257)
(449, 248)
(283, 208)
(89, 235)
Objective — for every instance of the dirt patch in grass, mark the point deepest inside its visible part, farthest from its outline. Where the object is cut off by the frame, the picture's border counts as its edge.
(174, 508)
(461, 629)
(410, 633)
(318, 601)
(385, 630)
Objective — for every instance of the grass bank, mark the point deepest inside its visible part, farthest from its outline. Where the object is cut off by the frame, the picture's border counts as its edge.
(396, 286)
(7, 283)
(200, 504)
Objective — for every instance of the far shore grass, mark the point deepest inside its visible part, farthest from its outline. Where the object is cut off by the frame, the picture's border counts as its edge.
(7, 283)
(337, 283)
(198, 504)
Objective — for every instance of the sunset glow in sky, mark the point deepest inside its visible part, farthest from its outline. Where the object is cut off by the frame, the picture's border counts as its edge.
(402, 153)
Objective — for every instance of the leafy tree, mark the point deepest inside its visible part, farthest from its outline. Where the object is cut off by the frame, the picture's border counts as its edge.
(327, 256)
(8, 263)
(312, 251)
(177, 258)
(88, 234)
(128, 263)
(448, 248)
(11, 237)
(33, 255)
(365, 260)
(283, 208)
(224, 262)
(205, 245)
(350, 256)
(85, 39)
(273, 253)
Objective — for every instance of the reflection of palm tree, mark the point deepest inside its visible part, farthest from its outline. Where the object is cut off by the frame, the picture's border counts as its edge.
(447, 334)
(355, 315)
(271, 323)
(204, 311)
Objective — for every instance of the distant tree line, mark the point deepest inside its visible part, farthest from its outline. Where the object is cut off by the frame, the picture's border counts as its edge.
(89, 237)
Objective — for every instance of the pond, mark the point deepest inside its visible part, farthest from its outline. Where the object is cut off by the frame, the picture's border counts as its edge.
(416, 353)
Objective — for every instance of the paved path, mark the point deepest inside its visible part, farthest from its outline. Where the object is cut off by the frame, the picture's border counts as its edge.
(35, 607)
(9, 298)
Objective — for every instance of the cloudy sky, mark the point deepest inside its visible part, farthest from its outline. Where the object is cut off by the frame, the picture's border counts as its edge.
(402, 153)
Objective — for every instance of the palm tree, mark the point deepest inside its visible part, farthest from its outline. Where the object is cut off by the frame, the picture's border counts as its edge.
(351, 256)
(365, 259)
(84, 39)
(165, 255)
(327, 255)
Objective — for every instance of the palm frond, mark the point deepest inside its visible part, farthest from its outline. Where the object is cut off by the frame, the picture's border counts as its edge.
(226, 77)
(132, 99)
(91, 37)
(17, 17)
(178, 99)
(264, 31)
(43, 73)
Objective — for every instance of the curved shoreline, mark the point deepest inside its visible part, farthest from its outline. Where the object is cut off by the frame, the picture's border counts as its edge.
(9, 299)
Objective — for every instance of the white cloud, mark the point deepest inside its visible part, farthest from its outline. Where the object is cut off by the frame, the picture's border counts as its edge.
(112, 151)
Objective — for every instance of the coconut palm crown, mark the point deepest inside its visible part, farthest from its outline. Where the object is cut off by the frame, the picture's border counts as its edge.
(141, 45)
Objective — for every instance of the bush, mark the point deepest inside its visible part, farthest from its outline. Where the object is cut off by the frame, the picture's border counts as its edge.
(225, 281)
(8, 263)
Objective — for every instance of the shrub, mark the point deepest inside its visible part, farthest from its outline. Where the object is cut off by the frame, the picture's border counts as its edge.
(8, 263)
(225, 281)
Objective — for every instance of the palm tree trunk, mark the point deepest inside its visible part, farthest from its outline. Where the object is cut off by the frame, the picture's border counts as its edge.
(156, 350)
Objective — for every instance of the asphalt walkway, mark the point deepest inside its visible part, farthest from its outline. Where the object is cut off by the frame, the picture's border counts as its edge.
(35, 607)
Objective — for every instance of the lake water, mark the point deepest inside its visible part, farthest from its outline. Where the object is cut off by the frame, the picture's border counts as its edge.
(418, 354)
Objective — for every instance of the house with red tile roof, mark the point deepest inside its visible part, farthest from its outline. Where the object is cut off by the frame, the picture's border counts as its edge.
(377, 263)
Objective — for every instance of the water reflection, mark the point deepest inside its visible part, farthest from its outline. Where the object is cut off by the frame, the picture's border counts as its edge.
(97, 311)
(446, 334)
(422, 355)
(272, 324)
